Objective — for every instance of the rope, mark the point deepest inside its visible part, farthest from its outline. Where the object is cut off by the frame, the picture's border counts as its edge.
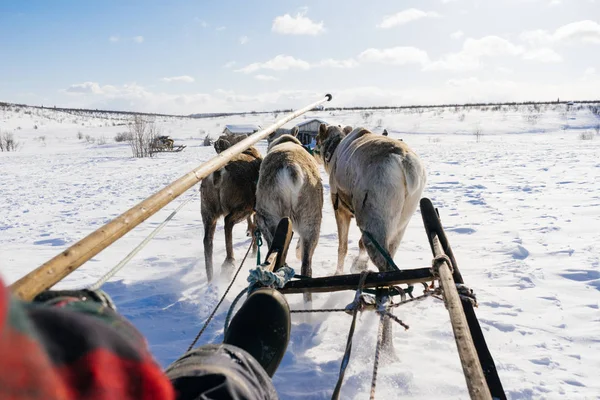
(260, 277)
(369, 305)
(346, 359)
(377, 352)
(466, 294)
(259, 243)
(232, 307)
(137, 249)
(384, 253)
(319, 310)
(389, 259)
(212, 314)
(437, 262)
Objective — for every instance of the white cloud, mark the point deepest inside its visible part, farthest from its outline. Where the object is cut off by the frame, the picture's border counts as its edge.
(279, 63)
(395, 56)
(448, 1)
(503, 70)
(229, 64)
(114, 38)
(491, 46)
(457, 35)
(85, 87)
(297, 25)
(202, 23)
(182, 78)
(544, 54)
(221, 28)
(469, 58)
(137, 98)
(138, 39)
(244, 40)
(265, 77)
(589, 71)
(330, 62)
(586, 31)
(406, 16)
(283, 62)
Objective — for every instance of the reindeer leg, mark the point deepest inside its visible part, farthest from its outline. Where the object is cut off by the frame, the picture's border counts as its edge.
(229, 262)
(342, 219)
(360, 262)
(387, 342)
(251, 221)
(299, 249)
(209, 232)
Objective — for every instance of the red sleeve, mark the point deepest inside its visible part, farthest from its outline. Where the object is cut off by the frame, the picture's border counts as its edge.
(60, 353)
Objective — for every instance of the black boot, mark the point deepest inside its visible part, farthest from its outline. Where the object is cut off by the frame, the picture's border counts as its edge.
(262, 328)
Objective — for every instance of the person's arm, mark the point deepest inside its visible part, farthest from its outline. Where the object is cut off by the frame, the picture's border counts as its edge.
(73, 347)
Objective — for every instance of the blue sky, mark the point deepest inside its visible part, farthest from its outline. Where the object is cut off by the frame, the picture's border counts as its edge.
(198, 56)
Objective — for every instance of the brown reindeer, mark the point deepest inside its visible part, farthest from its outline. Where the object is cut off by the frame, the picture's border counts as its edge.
(289, 185)
(221, 144)
(226, 141)
(229, 192)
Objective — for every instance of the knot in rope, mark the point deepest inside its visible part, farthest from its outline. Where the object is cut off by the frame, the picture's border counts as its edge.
(466, 294)
(260, 277)
(437, 262)
(361, 303)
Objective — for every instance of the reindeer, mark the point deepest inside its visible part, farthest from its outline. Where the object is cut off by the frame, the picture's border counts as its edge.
(226, 141)
(377, 180)
(229, 192)
(221, 144)
(289, 185)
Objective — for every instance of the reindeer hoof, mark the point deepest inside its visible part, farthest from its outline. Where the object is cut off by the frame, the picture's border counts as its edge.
(358, 266)
(227, 269)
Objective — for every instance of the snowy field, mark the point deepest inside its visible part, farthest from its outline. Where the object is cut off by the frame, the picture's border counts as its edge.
(520, 203)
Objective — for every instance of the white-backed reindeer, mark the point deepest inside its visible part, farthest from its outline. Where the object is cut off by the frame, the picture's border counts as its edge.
(290, 185)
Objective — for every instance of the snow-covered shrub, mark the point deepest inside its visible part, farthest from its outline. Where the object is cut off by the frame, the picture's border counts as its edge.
(587, 135)
(123, 137)
(8, 142)
(143, 133)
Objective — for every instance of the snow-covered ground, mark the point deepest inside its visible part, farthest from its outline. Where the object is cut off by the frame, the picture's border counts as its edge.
(521, 207)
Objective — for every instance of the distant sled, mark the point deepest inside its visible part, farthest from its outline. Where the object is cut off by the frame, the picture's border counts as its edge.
(164, 144)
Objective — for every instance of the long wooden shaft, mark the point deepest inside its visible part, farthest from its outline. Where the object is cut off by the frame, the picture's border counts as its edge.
(51, 272)
(476, 383)
(350, 282)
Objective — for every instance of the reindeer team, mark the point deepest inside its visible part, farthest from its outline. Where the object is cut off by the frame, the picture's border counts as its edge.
(373, 178)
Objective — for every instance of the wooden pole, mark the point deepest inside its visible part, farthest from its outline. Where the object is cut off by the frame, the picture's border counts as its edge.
(51, 272)
(350, 282)
(476, 383)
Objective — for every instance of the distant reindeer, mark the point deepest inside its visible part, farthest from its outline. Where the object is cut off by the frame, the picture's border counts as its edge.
(289, 185)
(226, 141)
(280, 132)
(229, 192)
